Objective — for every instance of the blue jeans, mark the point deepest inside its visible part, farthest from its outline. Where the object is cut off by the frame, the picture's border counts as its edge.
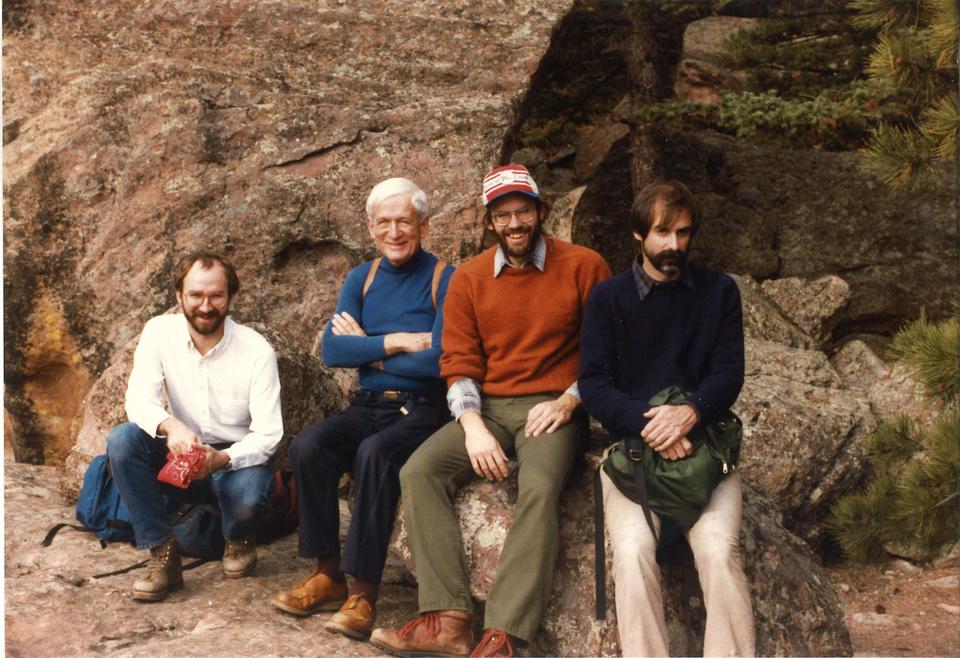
(136, 458)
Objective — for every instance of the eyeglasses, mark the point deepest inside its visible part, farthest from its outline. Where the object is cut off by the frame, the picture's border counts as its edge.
(524, 215)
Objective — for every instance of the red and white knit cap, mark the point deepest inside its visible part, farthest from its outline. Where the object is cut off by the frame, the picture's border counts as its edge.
(506, 180)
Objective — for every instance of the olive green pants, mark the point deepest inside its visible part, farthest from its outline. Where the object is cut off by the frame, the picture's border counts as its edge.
(429, 481)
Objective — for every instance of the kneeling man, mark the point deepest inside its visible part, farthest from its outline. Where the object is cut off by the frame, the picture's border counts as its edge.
(224, 398)
(387, 324)
(666, 323)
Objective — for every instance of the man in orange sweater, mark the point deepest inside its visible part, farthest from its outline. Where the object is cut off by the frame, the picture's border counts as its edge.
(511, 342)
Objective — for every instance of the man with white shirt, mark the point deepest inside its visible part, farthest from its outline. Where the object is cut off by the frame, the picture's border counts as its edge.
(224, 397)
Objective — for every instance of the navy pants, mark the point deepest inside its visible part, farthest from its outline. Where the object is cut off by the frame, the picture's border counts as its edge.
(136, 458)
(371, 439)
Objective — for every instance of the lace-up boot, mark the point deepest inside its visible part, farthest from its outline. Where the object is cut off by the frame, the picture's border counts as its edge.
(439, 633)
(164, 573)
(240, 557)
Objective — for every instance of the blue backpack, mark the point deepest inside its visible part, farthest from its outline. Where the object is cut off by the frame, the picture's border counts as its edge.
(99, 507)
(100, 510)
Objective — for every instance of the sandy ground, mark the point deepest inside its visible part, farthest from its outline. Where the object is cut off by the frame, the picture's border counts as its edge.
(900, 609)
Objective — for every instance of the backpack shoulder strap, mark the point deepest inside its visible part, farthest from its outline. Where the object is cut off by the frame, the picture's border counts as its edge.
(599, 548)
(435, 286)
(370, 275)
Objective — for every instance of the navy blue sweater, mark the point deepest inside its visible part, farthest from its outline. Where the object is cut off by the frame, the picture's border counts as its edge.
(398, 300)
(678, 335)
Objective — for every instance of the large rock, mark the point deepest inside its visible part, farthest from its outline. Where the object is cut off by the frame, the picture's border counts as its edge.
(137, 131)
(803, 438)
(890, 390)
(699, 79)
(307, 394)
(796, 608)
(814, 306)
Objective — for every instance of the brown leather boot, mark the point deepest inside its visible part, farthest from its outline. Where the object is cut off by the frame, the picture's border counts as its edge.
(317, 593)
(354, 619)
(164, 573)
(438, 633)
(240, 556)
(494, 644)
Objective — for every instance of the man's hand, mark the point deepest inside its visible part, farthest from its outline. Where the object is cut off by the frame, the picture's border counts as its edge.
(668, 424)
(548, 416)
(486, 456)
(404, 341)
(679, 450)
(180, 438)
(343, 324)
(215, 460)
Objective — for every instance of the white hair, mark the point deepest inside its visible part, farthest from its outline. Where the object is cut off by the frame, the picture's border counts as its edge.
(394, 186)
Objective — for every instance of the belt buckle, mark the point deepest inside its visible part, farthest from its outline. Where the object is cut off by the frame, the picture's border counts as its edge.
(391, 395)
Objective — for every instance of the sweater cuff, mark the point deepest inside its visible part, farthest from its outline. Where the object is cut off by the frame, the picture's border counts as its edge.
(634, 421)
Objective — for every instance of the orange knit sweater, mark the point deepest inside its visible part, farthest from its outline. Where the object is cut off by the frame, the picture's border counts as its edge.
(519, 333)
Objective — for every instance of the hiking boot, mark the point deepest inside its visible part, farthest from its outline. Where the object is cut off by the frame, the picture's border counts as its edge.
(439, 633)
(494, 644)
(240, 557)
(317, 593)
(164, 573)
(354, 619)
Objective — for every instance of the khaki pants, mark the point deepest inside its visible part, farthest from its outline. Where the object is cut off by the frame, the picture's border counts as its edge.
(429, 481)
(714, 539)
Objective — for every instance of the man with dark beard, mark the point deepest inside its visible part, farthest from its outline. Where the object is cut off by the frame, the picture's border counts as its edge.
(668, 323)
(224, 399)
(510, 345)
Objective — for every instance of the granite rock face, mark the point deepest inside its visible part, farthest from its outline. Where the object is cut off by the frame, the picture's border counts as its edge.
(796, 609)
(814, 306)
(136, 132)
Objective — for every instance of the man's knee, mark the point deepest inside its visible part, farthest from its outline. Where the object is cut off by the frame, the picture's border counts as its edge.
(123, 441)
(246, 497)
(717, 552)
(308, 445)
(540, 485)
(370, 456)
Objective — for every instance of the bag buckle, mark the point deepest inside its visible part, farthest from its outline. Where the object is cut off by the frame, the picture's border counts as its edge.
(634, 454)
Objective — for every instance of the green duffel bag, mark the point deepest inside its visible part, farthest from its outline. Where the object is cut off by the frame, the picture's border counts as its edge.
(681, 488)
(677, 489)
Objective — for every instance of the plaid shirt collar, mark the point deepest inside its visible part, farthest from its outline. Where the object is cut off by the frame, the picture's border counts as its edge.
(538, 257)
(645, 282)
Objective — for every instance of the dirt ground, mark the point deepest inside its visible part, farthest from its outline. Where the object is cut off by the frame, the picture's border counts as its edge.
(901, 609)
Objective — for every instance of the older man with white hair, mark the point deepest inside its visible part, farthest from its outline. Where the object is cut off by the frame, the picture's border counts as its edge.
(387, 324)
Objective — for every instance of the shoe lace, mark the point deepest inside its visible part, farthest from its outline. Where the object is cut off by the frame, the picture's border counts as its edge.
(431, 619)
(235, 547)
(158, 561)
(493, 640)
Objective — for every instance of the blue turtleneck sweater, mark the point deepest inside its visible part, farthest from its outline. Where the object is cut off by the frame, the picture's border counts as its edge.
(398, 300)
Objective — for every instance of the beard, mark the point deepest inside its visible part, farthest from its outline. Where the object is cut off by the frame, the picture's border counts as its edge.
(669, 261)
(213, 320)
(532, 232)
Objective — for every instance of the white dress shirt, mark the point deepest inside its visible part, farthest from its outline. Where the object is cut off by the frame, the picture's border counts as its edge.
(231, 394)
